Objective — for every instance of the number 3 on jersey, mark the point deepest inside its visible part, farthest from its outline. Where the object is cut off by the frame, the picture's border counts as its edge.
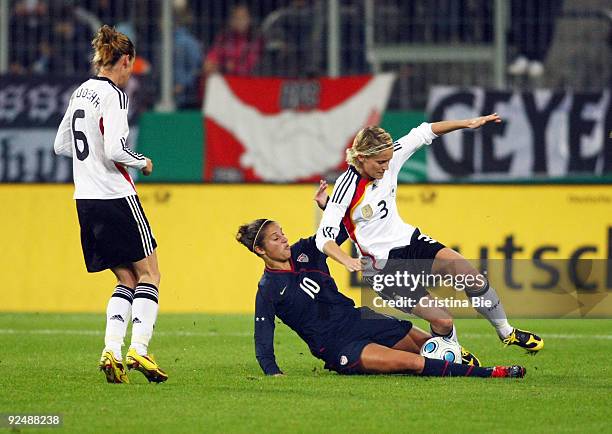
(310, 287)
(79, 136)
(383, 209)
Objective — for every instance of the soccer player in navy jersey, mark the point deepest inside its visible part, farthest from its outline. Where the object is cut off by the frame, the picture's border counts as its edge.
(297, 288)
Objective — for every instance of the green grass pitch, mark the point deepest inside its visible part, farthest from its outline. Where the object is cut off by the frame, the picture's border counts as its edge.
(48, 364)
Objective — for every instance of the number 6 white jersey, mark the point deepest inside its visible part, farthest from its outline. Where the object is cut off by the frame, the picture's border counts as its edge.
(94, 133)
(367, 207)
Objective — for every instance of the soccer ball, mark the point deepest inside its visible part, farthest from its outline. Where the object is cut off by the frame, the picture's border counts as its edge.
(442, 349)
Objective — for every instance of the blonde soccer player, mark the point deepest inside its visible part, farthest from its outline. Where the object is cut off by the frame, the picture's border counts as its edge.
(115, 233)
(363, 199)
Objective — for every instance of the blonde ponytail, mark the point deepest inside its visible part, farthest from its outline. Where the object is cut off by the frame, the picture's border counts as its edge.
(368, 142)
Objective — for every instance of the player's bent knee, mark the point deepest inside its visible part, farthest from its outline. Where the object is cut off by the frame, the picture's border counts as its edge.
(129, 282)
(157, 277)
(154, 277)
(442, 325)
(149, 276)
(125, 277)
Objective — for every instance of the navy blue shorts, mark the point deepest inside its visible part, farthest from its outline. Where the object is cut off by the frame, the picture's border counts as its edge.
(344, 354)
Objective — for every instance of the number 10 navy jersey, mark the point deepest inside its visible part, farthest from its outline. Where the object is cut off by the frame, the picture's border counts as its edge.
(305, 298)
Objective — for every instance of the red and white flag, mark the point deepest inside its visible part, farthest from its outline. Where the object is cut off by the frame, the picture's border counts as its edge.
(280, 130)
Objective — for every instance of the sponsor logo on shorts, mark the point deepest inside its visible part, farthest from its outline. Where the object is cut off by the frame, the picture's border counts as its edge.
(343, 360)
(117, 317)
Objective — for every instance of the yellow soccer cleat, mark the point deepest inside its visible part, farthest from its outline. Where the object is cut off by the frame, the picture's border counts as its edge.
(112, 368)
(468, 358)
(146, 365)
(524, 339)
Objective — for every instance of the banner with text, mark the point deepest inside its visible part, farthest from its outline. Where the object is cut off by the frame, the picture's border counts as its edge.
(277, 130)
(544, 134)
(31, 109)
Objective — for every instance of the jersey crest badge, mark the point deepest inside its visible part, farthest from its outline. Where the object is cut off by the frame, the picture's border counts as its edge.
(367, 212)
(303, 258)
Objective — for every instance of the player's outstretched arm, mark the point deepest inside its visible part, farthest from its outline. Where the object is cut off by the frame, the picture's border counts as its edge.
(445, 127)
(264, 335)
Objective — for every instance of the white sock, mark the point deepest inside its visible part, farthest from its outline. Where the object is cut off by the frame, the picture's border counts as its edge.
(452, 335)
(117, 319)
(144, 315)
(495, 314)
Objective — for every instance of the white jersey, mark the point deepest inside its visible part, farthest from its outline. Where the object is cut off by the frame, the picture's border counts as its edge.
(367, 207)
(94, 133)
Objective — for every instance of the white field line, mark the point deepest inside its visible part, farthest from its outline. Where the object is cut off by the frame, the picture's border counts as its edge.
(101, 333)
(245, 334)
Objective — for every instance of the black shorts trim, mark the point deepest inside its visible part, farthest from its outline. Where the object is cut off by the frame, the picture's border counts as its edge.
(143, 225)
(114, 232)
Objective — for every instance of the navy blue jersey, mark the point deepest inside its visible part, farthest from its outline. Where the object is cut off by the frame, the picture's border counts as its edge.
(305, 298)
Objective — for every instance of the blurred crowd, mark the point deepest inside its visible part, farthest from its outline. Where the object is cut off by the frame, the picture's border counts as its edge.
(274, 37)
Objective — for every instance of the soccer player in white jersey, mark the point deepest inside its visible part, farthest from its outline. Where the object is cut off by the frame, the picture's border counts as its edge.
(363, 200)
(115, 234)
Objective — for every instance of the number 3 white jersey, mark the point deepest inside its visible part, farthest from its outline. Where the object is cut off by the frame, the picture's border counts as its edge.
(94, 133)
(367, 207)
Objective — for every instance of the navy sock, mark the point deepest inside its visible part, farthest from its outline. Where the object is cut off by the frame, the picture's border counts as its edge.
(442, 368)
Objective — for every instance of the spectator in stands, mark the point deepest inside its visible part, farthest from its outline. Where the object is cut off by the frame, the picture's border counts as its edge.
(28, 24)
(294, 39)
(532, 30)
(136, 19)
(580, 53)
(187, 60)
(66, 52)
(108, 12)
(236, 50)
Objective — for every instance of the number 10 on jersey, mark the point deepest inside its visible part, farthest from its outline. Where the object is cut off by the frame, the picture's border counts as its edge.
(310, 287)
